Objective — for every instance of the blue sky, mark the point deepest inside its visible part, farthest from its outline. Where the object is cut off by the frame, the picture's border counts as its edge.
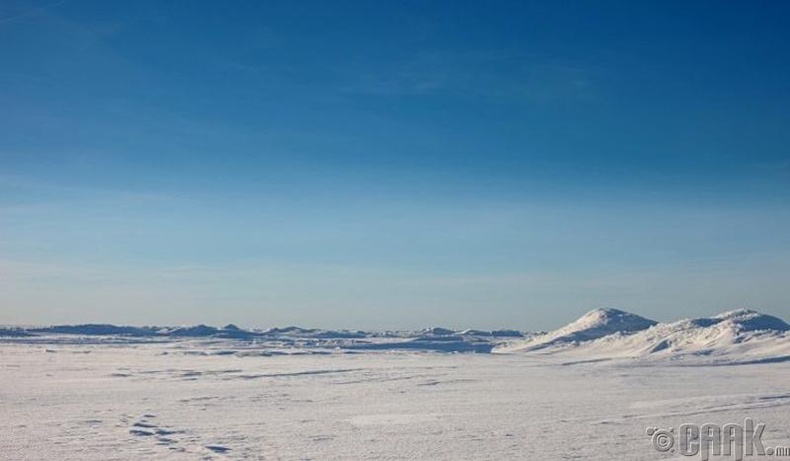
(392, 164)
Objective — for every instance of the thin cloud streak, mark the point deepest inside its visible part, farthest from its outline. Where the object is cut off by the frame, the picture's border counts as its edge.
(532, 79)
(31, 12)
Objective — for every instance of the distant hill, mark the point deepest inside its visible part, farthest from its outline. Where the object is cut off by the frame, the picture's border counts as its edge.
(739, 336)
(595, 324)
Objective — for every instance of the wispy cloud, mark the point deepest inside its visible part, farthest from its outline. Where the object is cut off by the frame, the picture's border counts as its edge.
(29, 12)
(486, 75)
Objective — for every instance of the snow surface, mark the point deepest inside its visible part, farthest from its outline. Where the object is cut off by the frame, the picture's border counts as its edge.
(739, 336)
(204, 393)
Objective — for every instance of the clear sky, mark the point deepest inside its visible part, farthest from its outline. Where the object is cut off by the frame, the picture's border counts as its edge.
(375, 164)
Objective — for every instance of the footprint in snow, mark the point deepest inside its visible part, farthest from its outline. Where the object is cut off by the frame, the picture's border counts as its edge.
(218, 448)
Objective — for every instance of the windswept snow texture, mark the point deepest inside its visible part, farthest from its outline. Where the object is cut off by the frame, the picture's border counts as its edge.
(209, 399)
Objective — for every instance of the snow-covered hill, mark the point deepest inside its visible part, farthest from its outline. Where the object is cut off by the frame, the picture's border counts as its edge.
(593, 325)
(290, 339)
(739, 336)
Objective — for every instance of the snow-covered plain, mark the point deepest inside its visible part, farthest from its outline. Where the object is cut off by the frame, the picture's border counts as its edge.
(587, 391)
